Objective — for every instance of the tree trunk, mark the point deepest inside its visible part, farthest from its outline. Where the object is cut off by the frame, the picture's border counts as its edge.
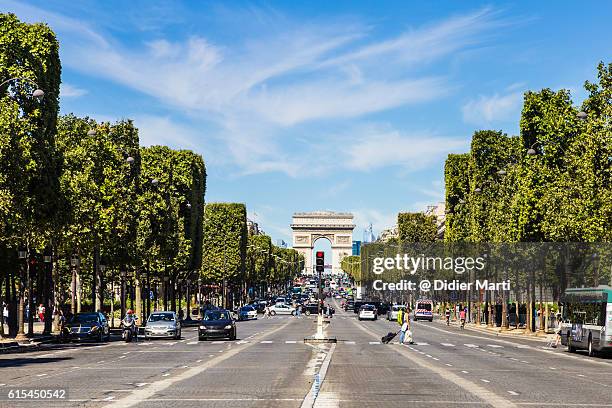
(48, 298)
(21, 303)
(138, 296)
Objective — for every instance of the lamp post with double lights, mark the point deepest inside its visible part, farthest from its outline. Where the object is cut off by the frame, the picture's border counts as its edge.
(37, 94)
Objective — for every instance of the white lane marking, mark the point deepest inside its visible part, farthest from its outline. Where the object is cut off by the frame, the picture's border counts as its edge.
(471, 345)
(580, 375)
(211, 355)
(266, 341)
(349, 342)
(495, 345)
(100, 362)
(141, 384)
(428, 355)
(109, 398)
(2, 385)
(374, 342)
(450, 365)
(127, 352)
(523, 361)
(513, 393)
(122, 356)
(198, 361)
(41, 375)
(242, 342)
(165, 375)
(513, 359)
(465, 372)
(437, 359)
(448, 344)
(485, 381)
(421, 344)
(522, 346)
(552, 368)
(290, 342)
(171, 343)
(192, 342)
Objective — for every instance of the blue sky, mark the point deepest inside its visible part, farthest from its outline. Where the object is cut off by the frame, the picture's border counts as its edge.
(330, 105)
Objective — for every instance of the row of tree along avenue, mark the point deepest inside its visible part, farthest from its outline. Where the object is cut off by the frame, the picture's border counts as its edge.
(544, 196)
(90, 220)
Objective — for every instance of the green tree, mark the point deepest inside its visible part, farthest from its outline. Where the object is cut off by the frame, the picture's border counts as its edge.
(224, 242)
(416, 227)
(30, 200)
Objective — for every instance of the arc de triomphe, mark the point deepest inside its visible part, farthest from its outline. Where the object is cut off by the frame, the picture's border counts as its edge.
(336, 227)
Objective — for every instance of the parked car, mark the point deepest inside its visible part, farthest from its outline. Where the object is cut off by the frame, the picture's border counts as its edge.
(88, 326)
(392, 313)
(163, 324)
(367, 312)
(282, 308)
(217, 324)
(247, 313)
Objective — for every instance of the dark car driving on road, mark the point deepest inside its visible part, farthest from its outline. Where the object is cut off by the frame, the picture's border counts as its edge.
(217, 324)
(88, 326)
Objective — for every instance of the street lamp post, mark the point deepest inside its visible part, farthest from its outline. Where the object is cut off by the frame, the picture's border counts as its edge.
(74, 264)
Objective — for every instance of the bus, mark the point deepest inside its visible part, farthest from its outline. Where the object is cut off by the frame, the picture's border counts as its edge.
(587, 319)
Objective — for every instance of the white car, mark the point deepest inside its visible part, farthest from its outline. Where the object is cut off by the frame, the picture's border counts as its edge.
(281, 308)
(392, 314)
(368, 312)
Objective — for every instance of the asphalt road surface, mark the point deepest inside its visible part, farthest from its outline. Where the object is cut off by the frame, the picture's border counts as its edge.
(271, 366)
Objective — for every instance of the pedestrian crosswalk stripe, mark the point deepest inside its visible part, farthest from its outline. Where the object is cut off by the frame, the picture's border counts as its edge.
(448, 344)
(495, 345)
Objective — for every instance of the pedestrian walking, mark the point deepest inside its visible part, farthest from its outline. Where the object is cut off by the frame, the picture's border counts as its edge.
(462, 318)
(408, 338)
(298, 311)
(41, 313)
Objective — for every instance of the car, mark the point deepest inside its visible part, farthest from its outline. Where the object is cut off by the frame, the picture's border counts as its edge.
(247, 313)
(88, 326)
(392, 313)
(281, 308)
(367, 312)
(280, 300)
(349, 305)
(217, 324)
(163, 324)
(423, 310)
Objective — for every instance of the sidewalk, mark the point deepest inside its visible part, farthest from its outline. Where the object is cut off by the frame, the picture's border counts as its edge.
(497, 331)
(11, 345)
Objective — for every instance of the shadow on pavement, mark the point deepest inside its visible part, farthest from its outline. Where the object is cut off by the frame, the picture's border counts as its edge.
(20, 362)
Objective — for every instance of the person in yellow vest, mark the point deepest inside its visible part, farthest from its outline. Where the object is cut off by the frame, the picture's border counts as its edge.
(400, 317)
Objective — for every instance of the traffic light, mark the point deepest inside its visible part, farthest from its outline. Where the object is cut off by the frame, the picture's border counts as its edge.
(320, 261)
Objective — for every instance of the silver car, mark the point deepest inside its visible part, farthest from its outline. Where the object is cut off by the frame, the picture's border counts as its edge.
(392, 313)
(163, 324)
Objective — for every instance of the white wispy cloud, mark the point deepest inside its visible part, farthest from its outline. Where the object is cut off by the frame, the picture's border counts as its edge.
(71, 91)
(286, 73)
(389, 147)
(487, 109)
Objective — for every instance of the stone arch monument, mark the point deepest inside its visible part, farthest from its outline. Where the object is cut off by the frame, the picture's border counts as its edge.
(336, 227)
